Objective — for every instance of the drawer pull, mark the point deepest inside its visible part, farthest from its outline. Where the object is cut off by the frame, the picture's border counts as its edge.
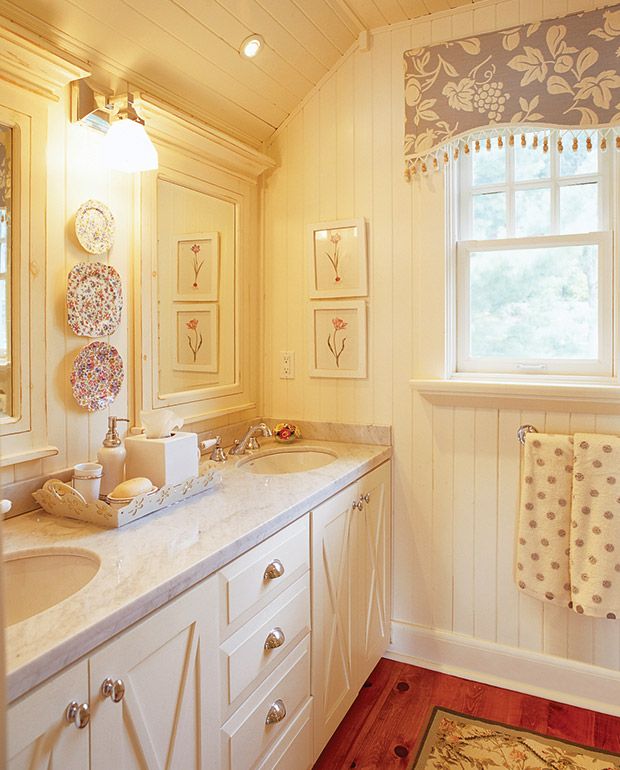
(366, 497)
(357, 504)
(274, 570)
(78, 713)
(113, 689)
(276, 713)
(275, 639)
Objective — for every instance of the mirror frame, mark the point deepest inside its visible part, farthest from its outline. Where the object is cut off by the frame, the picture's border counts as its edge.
(200, 159)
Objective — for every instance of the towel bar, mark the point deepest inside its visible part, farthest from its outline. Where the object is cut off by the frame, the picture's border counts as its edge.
(523, 430)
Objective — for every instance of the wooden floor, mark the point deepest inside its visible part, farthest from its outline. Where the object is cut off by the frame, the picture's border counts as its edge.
(384, 725)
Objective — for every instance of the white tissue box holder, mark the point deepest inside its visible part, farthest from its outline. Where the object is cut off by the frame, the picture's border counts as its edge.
(164, 461)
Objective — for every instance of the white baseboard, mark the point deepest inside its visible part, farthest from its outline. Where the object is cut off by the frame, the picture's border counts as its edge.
(547, 676)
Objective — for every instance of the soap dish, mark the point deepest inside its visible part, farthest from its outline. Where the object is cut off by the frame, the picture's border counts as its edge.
(126, 500)
(117, 513)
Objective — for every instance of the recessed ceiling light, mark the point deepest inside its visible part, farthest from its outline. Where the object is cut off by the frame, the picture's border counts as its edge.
(251, 46)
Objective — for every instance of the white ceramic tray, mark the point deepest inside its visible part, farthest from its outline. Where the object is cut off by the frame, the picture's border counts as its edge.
(59, 499)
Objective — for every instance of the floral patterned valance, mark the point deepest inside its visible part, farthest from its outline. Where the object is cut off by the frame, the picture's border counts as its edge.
(562, 73)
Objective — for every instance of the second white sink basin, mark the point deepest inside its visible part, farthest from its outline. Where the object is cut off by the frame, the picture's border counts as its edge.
(37, 580)
(290, 460)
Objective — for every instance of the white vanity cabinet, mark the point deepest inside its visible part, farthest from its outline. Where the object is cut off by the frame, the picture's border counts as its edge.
(350, 595)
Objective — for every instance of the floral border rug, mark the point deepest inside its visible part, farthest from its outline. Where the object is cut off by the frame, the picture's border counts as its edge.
(457, 741)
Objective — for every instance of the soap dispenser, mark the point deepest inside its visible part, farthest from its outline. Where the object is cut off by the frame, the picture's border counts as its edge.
(112, 457)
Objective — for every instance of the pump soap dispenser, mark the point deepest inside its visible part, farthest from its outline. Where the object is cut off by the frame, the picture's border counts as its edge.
(112, 457)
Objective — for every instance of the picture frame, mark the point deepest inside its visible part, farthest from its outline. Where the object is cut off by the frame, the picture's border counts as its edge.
(197, 257)
(338, 263)
(196, 338)
(339, 339)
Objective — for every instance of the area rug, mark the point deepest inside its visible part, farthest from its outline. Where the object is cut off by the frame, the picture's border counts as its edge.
(456, 741)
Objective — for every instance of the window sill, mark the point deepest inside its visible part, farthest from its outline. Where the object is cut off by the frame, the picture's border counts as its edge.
(545, 396)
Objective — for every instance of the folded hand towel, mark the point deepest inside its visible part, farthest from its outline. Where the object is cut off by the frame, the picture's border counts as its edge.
(544, 517)
(595, 526)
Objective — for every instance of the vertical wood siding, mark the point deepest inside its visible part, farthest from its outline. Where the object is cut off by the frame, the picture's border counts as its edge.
(456, 469)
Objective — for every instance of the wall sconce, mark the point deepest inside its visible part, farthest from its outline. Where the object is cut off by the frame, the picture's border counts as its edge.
(127, 146)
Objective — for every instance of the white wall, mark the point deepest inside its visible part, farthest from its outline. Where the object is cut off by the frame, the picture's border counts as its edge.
(456, 468)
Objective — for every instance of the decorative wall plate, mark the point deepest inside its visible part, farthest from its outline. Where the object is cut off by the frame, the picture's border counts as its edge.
(97, 376)
(94, 299)
(94, 227)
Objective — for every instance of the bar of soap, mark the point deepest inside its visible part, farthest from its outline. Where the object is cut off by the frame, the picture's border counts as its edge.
(132, 488)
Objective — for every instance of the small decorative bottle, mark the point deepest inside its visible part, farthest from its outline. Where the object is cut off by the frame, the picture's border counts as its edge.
(112, 457)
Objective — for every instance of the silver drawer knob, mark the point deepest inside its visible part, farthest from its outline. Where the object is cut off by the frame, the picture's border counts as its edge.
(274, 570)
(78, 713)
(276, 713)
(366, 497)
(114, 689)
(357, 505)
(275, 639)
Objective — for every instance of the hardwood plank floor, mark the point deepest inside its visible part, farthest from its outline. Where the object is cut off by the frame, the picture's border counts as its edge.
(383, 727)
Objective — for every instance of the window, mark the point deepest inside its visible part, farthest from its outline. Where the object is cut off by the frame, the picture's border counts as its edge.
(534, 265)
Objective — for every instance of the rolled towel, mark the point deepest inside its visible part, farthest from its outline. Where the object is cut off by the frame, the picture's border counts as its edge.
(542, 560)
(595, 526)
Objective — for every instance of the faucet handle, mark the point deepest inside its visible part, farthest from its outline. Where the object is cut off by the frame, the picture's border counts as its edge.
(218, 455)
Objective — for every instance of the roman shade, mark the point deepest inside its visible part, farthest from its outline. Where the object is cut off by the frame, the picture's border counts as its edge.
(561, 74)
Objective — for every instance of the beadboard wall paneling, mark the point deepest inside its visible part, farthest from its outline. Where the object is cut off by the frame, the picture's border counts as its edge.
(456, 469)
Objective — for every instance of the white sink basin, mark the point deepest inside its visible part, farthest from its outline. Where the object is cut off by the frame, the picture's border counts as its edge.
(38, 579)
(287, 460)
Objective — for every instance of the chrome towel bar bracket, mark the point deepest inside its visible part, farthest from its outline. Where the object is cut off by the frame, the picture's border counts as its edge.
(523, 430)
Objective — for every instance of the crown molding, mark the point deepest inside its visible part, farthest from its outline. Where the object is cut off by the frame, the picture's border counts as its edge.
(195, 139)
(28, 66)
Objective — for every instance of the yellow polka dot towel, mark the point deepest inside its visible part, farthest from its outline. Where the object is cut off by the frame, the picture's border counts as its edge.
(544, 518)
(595, 526)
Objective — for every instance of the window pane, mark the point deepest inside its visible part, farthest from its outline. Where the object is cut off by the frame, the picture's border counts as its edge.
(531, 163)
(489, 212)
(535, 303)
(489, 166)
(579, 208)
(533, 212)
(580, 162)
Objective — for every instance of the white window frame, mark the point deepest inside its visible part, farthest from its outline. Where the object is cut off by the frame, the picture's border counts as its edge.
(460, 363)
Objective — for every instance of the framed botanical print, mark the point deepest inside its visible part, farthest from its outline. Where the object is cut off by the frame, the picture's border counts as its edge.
(338, 262)
(196, 338)
(197, 258)
(338, 333)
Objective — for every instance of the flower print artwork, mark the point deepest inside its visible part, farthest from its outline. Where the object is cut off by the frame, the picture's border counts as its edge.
(195, 342)
(336, 345)
(338, 259)
(339, 339)
(197, 267)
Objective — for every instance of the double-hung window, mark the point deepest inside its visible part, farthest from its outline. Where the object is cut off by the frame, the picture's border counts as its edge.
(534, 284)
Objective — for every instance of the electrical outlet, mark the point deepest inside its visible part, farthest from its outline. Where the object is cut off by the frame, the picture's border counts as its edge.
(287, 365)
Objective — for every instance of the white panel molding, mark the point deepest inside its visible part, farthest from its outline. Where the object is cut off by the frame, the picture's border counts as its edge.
(534, 673)
(196, 140)
(24, 64)
(548, 396)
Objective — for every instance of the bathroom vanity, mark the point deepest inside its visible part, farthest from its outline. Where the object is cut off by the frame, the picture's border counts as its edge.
(230, 632)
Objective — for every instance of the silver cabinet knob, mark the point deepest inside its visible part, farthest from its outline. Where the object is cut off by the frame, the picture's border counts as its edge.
(78, 714)
(276, 713)
(275, 639)
(365, 497)
(357, 505)
(114, 689)
(274, 570)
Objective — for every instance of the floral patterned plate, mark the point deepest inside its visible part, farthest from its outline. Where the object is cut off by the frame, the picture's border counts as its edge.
(94, 299)
(94, 227)
(97, 376)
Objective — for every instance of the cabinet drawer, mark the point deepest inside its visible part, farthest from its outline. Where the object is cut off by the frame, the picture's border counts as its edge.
(294, 749)
(246, 736)
(244, 658)
(244, 586)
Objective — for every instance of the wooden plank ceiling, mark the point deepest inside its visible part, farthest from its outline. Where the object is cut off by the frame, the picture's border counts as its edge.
(187, 51)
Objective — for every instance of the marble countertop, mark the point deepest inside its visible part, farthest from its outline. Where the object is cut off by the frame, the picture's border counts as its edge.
(148, 562)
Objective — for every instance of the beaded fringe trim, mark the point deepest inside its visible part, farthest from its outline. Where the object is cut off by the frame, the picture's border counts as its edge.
(571, 139)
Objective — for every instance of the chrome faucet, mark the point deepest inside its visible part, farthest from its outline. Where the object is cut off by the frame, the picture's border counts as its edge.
(249, 440)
